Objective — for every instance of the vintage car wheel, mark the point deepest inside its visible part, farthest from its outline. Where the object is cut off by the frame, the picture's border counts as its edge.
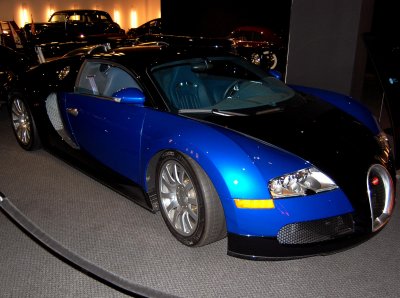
(188, 201)
(272, 59)
(268, 59)
(23, 124)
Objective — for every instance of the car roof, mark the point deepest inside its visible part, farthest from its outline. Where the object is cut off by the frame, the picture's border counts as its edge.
(69, 11)
(147, 55)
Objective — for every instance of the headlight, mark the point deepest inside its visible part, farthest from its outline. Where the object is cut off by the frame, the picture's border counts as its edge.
(301, 183)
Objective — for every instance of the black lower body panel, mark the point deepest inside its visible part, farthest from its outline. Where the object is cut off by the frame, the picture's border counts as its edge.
(268, 248)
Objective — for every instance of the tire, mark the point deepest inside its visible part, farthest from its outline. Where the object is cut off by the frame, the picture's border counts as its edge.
(188, 201)
(23, 124)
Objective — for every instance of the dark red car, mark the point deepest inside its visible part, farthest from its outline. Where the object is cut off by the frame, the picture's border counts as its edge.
(260, 45)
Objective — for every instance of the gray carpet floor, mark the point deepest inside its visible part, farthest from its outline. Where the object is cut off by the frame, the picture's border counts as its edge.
(115, 234)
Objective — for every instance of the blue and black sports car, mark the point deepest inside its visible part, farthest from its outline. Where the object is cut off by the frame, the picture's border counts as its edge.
(216, 144)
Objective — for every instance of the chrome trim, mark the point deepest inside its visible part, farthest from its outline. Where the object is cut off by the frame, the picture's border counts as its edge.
(73, 111)
(53, 112)
(379, 220)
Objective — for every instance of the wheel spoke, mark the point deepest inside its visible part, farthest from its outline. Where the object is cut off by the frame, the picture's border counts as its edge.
(193, 214)
(176, 218)
(169, 176)
(187, 225)
(182, 176)
(192, 200)
(15, 111)
(189, 186)
(167, 195)
(17, 105)
(25, 135)
(172, 205)
(177, 173)
(166, 181)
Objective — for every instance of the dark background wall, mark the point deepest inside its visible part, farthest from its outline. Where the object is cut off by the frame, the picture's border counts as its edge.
(326, 48)
(386, 20)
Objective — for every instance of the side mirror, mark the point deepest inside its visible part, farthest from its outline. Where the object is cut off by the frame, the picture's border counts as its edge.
(129, 95)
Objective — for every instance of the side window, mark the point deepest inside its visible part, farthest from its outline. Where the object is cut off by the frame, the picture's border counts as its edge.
(76, 18)
(258, 36)
(103, 79)
(104, 18)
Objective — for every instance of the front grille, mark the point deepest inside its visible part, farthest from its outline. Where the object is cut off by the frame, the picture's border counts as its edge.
(381, 195)
(317, 230)
(376, 193)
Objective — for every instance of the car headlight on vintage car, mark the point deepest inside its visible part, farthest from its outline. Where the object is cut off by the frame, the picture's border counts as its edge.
(300, 183)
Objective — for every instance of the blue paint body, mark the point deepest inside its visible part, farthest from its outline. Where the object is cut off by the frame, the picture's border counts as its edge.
(139, 133)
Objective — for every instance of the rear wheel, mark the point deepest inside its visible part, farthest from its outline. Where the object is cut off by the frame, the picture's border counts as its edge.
(188, 201)
(23, 124)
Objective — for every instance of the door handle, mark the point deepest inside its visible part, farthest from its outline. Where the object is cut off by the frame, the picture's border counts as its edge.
(73, 111)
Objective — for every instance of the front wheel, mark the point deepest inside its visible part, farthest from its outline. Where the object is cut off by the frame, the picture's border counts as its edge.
(188, 201)
(23, 124)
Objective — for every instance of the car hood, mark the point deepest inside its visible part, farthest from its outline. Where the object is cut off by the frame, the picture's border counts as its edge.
(332, 140)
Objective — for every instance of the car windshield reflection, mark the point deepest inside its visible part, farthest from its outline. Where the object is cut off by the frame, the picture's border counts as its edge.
(219, 85)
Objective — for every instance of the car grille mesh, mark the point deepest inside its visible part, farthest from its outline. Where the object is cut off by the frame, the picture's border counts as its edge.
(316, 231)
(53, 112)
(377, 197)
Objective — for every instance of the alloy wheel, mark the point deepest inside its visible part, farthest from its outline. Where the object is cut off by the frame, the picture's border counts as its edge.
(179, 198)
(21, 121)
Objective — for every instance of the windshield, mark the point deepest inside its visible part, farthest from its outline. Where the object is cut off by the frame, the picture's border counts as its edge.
(58, 17)
(219, 84)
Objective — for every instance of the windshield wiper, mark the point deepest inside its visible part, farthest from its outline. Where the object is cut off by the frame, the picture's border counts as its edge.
(211, 111)
(269, 111)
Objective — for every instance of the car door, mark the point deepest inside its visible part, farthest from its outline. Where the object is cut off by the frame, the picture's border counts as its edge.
(107, 129)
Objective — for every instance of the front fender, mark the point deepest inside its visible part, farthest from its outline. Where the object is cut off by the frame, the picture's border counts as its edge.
(235, 163)
(238, 166)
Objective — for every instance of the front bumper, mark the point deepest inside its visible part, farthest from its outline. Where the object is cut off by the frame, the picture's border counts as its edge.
(299, 240)
(324, 235)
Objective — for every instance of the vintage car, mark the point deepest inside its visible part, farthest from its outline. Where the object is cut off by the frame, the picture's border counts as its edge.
(77, 24)
(151, 27)
(260, 45)
(216, 144)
